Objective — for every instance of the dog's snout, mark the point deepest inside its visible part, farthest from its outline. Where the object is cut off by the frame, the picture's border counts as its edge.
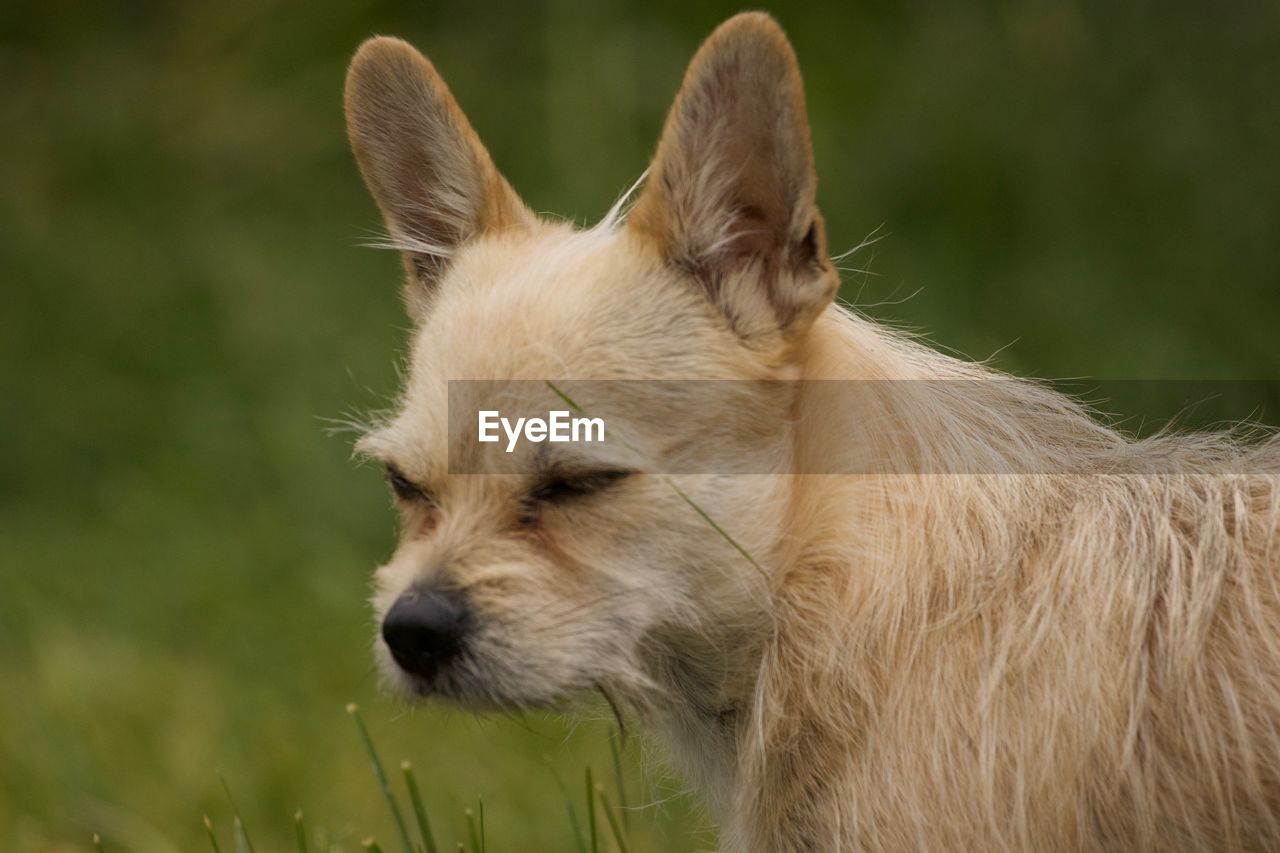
(425, 628)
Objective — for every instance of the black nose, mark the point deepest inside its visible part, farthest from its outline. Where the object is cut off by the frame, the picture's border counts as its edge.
(425, 628)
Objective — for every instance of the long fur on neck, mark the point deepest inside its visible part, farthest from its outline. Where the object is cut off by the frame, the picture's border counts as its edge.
(1013, 661)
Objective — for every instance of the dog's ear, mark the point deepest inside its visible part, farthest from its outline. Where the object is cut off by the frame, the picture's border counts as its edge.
(434, 181)
(730, 197)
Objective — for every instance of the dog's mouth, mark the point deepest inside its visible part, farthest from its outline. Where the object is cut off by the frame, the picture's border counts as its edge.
(474, 682)
(481, 698)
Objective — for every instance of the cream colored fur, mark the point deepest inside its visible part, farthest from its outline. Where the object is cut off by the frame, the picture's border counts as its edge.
(1075, 648)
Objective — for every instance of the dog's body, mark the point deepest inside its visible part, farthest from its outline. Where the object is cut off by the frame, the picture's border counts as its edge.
(1074, 645)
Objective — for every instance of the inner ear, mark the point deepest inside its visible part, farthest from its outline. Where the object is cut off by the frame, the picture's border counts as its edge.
(434, 181)
(810, 250)
(731, 193)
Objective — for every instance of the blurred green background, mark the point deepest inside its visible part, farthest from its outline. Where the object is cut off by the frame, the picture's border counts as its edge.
(184, 551)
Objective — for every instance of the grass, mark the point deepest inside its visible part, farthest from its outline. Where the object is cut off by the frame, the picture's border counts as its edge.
(595, 797)
(213, 836)
(419, 810)
(300, 832)
(383, 783)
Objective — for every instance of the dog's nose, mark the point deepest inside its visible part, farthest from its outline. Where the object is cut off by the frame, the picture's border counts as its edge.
(425, 628)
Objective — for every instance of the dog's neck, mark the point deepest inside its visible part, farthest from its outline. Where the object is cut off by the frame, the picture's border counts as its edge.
(706, 685)
(708, 676)
(705, 677)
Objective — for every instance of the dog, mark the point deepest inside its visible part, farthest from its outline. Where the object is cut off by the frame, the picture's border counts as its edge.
(948, 610)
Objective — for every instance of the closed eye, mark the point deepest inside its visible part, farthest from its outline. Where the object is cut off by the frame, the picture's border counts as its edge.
(565, 487)
(406, 490)
(557, 489)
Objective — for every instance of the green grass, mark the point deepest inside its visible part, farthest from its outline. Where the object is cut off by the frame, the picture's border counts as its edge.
(419, 810)
(185, 551)
(300, 832)
(473, 820)
(384, 785)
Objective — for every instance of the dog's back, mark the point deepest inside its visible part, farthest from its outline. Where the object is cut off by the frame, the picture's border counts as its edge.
(1077, 650)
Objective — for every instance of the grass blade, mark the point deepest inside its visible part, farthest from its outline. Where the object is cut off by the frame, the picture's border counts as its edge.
(97, 843)
(578, 840)
(591, 813)
(371, 846)
(299, 831)
(243, 843)
(616, 749)
(716, 527)
(419, 812)
(473, 834)
(213, 839)
(480, 803)
(569, 401)
(381, 776)
(618, 835)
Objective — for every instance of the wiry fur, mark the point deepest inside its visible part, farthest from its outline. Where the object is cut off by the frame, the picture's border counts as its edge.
(1075, 648)
(1016, 661)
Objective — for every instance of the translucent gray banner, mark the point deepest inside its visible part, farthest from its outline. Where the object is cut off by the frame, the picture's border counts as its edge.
(861, 427)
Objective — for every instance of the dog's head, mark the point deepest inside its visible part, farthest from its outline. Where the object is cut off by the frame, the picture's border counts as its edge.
(523, 577)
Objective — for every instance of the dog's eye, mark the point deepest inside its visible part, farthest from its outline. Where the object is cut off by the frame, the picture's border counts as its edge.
(566, 487)
(561, 488)
(405, 489)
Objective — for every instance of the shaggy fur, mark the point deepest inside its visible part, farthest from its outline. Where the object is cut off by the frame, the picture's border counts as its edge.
(1073, 645)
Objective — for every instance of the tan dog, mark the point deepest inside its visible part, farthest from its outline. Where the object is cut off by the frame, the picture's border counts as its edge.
(1020, 631)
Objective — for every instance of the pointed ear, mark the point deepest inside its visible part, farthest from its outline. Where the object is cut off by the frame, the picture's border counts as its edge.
(730, 197)
(426, 168)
